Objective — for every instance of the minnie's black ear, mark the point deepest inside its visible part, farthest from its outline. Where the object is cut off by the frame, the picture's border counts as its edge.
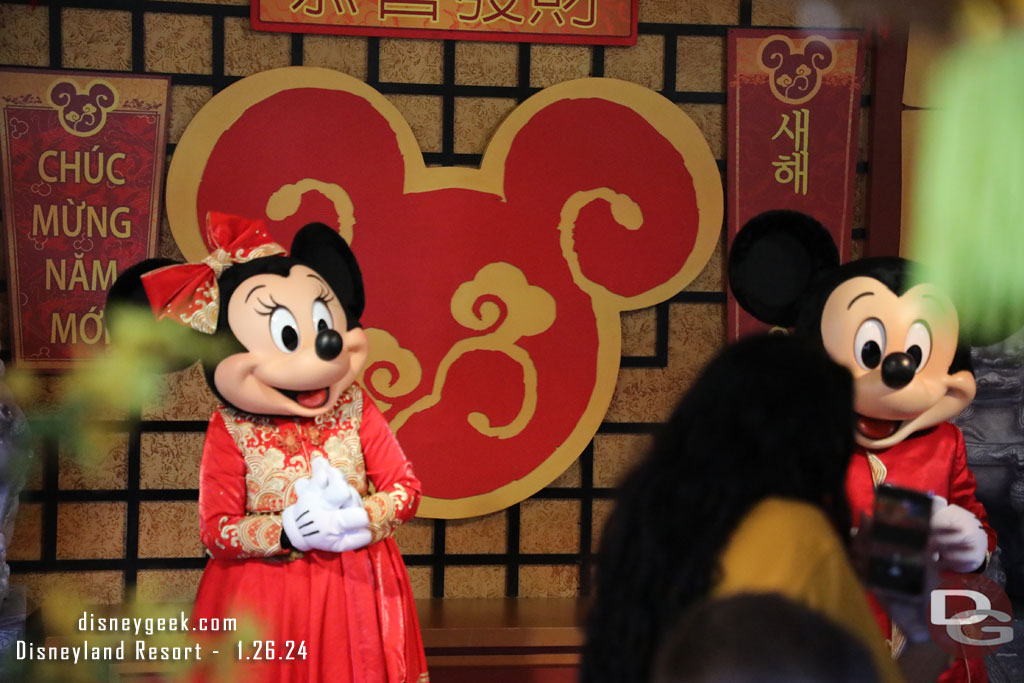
(325, 251)
(128, 292)
(128, 289)
(773, 261)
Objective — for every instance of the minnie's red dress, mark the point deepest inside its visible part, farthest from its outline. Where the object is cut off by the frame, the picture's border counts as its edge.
(353, 611)
(935, 461)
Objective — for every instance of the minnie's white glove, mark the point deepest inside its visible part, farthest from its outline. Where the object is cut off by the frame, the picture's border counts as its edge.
(328, 513)
(958, 537)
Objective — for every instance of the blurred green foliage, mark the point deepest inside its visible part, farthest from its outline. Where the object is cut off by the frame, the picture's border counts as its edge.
(75, 408)
(968, 202)
(78, 410)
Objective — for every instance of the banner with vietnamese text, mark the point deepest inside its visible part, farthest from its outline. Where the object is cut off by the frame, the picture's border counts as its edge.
(83, 159)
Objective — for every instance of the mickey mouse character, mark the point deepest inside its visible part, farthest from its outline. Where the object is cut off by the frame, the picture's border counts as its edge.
(302, 482)
(911, 373)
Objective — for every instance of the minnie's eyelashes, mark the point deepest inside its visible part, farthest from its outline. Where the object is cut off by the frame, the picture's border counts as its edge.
(268, 308)
(325, 296)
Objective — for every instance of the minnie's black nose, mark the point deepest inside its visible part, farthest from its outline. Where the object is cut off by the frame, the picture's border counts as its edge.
(328, 344)
(897, 369)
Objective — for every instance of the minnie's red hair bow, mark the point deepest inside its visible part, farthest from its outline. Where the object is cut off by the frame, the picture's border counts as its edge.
(188, 293)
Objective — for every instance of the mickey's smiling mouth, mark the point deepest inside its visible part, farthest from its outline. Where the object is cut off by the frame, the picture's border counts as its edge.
(877, 428)
(315, 398)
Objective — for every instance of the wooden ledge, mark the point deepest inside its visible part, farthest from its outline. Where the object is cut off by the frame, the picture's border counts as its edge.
(493, 625)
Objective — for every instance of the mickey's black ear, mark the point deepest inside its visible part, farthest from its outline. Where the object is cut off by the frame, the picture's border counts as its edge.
(325, 251)
(773, 261)
(128, 292)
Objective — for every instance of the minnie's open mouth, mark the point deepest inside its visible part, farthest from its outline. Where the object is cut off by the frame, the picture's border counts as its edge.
(315, 398)
(876, 428)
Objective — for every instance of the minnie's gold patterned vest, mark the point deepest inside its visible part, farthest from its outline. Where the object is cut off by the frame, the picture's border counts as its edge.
(278, 452)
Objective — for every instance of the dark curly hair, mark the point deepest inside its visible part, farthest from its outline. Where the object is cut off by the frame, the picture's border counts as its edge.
(770, 416)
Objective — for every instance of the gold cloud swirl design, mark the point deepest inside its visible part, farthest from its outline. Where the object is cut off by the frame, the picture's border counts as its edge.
(285, 202)
(391, 370)
(529, 310)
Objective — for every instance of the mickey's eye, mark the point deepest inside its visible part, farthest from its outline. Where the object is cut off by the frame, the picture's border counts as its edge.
(869, 343)
(284, 330)
(321, 316)
(919, 343)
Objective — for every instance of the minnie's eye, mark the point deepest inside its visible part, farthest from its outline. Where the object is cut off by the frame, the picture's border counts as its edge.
(919, 343)
(284, 330)
(321, 316)
(869, 343)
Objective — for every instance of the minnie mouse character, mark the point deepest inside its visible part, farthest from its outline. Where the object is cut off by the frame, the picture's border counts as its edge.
(302, 482)
(912, 373)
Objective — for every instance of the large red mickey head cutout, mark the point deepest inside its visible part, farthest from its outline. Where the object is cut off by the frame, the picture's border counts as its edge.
(492, 295)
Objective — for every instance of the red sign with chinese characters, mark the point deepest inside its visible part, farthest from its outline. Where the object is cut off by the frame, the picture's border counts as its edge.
(83, 159)
(493, 294)
(793, 115)
(597, 22)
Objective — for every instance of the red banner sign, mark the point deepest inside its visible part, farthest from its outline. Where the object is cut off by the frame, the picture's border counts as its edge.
(493, 294)
(794, 108)
(83, 159)
(597, 22)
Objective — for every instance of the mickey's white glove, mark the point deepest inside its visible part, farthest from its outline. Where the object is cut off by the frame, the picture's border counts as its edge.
(958, 536)
(328, 513)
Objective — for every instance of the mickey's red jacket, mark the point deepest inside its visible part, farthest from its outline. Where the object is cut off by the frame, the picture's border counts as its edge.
(933, 461)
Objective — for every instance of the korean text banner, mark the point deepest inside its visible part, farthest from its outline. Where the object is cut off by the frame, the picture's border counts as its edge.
(793, 116)
(83, 158)
(597, 22)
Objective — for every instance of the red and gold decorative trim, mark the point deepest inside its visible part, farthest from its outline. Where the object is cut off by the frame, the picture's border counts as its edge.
(383, 509)
(255, 535)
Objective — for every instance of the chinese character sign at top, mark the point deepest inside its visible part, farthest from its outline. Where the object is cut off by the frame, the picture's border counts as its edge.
(599, 22)
(793, 110)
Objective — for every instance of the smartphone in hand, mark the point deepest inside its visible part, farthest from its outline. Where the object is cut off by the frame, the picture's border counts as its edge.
(899, 540)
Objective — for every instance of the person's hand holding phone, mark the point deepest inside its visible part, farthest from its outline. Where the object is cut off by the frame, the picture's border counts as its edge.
(961, 541)
(896, 553)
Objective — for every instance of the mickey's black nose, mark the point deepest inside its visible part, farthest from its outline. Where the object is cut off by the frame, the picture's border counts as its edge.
(328, 344)
(897, 369)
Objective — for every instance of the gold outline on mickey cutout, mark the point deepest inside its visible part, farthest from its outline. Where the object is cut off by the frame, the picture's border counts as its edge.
(217, 116)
